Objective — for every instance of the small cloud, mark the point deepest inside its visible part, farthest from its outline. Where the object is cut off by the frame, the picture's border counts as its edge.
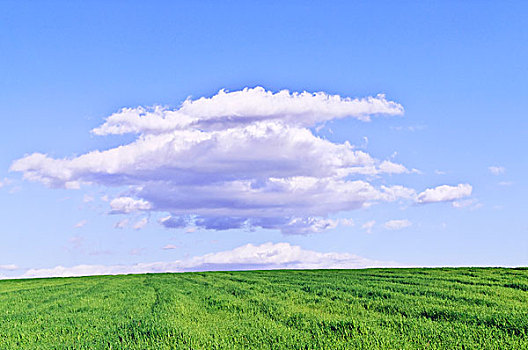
(365, 143)
(397, 224)
(497, 170)
(174, 221)
(5, 182)
(100, 252)
(444, 193)
(105, 198)
(80, 224)
(87, 198)
(170, 246)
(368, 226)
(440, 172)
(140, 224)
(136, 251)
(467, 203)
(15, 189)
(392, 168)
(346, 222)
(121, 224)
(9, 267)
(125, 205)
(75, 243)
(505, 183)
(410, 128)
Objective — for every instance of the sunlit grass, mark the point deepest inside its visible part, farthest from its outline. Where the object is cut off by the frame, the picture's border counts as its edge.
(464, 308)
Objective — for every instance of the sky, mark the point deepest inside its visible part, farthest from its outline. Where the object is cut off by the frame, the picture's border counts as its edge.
(188, 136)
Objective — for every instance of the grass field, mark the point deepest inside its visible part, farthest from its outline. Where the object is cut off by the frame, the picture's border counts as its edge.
(463, 308)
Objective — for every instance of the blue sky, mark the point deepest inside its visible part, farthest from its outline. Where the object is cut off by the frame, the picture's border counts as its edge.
(458, 69)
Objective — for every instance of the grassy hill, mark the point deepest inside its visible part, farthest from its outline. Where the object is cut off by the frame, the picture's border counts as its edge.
(462, 308)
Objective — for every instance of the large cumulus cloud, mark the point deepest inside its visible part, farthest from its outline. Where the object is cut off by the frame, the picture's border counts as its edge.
(238, 159)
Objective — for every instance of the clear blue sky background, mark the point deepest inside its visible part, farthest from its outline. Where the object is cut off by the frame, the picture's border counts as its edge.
(459, 69)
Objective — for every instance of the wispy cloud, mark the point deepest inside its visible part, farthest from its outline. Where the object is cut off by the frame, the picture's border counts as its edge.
(80, 224)
(497, 170)
(368, 226)
(121, 224)
(87, 198)
(140, 224)
(5, 181)
(397, 224)
(471, 203)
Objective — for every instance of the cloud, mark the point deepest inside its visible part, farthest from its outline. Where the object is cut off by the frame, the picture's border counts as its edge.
(497, 170)
(170, 246)
(467, 203)
(125, 205)
(266, 256)
(140, 224)
(242, 159)
(368, 226)
(5, 182)
(87, 198)
(444, 193)
(346, 222)
(238, 108)
(9, 267)
(121, 224)
(397, 224)
(392, 168)
(505, 183)
(80, 224)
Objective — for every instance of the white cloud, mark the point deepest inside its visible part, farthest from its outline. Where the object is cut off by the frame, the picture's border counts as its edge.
(127, 205)
(505, 183)
(170, 246)
(265, 256)
(121, 224)
(497, 170)
(467, 203)
(392, 168)
(397, 224)
(230, 109)
(9, 267)
(140, 224)
(346, 222)
(242, 159)
(87, 198)
(80, 224)
(4, 182)
(368, 226)
(444, 193)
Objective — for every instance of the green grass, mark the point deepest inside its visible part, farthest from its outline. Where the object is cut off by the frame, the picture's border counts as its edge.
(463, 308)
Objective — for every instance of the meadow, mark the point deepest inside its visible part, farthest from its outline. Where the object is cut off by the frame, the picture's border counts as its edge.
(441, 308)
